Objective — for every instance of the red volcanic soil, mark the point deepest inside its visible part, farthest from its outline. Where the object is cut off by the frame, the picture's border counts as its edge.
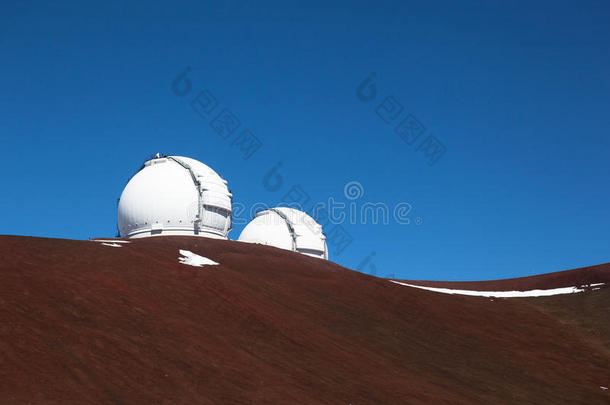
(85, 323)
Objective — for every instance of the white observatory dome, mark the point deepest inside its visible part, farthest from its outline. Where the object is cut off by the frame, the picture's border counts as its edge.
(175, 195)
(287, 228)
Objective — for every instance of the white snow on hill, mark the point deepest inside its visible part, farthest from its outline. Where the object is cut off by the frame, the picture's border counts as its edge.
(111, 244)
(191, 259)
(502, 294)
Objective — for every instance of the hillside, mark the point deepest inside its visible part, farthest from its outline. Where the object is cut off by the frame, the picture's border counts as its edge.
(84, 322)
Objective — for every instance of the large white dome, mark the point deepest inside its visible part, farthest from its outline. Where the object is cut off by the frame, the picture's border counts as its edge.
(287, 228)
(175, 195)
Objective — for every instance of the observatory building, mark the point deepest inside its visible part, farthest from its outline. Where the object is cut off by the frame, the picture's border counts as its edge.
(175, 195)
(287, 228)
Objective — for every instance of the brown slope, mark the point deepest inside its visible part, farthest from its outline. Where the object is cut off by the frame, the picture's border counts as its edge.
(86, 323)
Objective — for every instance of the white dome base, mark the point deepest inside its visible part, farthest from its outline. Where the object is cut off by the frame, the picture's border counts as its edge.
(147, 233)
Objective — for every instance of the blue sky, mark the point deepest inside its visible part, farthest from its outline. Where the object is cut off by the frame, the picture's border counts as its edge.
(516, 94)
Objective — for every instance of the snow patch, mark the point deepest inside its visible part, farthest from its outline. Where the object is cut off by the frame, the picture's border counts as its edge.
(503, 294)
(110, 241)
(191, 259)
(111, 244)
(603, 388)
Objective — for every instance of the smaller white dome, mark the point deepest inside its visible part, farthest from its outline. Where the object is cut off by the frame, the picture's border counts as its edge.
(287, 228)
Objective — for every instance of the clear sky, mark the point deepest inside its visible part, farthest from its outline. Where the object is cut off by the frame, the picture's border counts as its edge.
(517, 97)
